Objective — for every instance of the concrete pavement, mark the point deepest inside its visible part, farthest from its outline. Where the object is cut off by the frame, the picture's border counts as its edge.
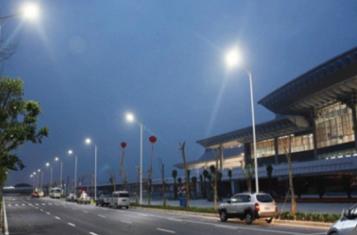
(48, 216)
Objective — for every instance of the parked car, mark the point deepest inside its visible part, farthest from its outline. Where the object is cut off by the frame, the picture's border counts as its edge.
(347, 224)
(120, 199)
(248, 207)
(104, 199)
(71, 197)
(35, 195)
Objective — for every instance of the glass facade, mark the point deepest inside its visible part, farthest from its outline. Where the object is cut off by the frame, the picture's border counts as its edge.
(265, 148)
(334, 125)
(298, 143)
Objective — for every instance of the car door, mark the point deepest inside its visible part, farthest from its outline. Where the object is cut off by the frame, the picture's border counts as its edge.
(350, 225)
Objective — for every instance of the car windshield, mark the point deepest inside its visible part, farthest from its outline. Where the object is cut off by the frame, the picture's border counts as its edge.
(123, 194)
(264, 198)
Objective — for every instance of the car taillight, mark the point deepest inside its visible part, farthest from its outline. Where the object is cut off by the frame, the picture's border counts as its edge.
(257, 207)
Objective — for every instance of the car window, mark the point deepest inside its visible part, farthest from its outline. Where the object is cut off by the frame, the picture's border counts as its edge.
(124, 195)
(264, 198)
(241, 198)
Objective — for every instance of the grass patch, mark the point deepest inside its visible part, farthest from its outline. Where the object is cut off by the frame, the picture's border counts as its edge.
(177, 208)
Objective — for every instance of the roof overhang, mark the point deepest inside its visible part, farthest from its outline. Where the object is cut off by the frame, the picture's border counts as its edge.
(325, 84)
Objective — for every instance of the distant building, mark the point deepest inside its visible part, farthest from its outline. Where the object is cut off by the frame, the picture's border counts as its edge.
(317, 110)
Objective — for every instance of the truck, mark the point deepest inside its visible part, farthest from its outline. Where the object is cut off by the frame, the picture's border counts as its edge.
(55, 192)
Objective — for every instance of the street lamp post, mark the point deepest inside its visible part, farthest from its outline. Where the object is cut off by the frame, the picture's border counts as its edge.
(88, 141)
(39, 178)
(233, 58)
(131, 118)
(70, 153)
(57, 159)
(48, 165)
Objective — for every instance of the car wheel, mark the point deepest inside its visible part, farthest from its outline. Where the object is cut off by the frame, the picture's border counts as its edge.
(248, 218)
(269, 220)
(223, 216)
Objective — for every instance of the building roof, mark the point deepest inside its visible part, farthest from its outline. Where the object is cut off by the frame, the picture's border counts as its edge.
(320, 86)
(211, 155)
(280, 126)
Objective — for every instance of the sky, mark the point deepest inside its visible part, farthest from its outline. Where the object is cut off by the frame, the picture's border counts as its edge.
(89, 61)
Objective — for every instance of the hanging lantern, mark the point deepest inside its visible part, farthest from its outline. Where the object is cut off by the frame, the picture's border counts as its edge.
(123, 145)
(152, 139)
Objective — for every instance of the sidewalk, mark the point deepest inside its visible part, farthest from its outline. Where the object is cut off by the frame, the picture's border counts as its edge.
(335, 208)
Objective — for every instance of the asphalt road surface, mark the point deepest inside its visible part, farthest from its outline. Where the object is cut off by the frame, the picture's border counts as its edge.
(27, 216)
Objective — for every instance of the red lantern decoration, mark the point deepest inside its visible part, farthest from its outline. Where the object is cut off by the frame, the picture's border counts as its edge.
(123, 145)
(152, 139)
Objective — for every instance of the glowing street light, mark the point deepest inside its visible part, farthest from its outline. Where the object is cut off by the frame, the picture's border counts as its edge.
(234, 58)
(88, 141)
(70, 153)
(130, 118)
(30, 11)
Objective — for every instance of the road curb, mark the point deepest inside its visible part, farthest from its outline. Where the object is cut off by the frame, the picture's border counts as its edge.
(295, 223)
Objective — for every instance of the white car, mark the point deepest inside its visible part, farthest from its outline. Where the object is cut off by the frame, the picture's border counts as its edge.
(120, 199)
(347, 224)
(55, 192)
(71, 197)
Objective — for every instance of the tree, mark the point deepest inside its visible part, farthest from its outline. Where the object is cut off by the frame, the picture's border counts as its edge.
(229, 173)
(248, 173)
(290, 176)
(187, 172)
(174, 176)
(18, 125)
(206, 176)
(194, 185)
(213, 171)
(269, 169)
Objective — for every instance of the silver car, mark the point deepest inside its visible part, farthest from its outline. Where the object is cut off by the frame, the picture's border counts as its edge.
(347, 224)
(248, 207)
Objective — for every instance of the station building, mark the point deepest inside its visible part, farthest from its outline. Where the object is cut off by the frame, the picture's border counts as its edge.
(315, 120)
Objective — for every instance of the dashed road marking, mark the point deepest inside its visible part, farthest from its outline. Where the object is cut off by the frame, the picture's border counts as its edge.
(48, 213)
(165, 230)
(102, 216)
(71, 224)
(225, 226)
(175, 219)
(126, 221)
(85, 212)
(91, 233)
(57, 218)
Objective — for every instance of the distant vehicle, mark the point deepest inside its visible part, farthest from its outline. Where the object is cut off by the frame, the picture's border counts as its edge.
(84, 198)
(120, 199)
(55, 192)
(347, 224)
(104, 199)
(71, 197)
(248, 207)
(35, 195)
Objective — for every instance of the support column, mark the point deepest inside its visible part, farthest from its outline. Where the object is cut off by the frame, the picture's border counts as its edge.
(354, 121)
(314, 136)
(221, 157)
(276, 150)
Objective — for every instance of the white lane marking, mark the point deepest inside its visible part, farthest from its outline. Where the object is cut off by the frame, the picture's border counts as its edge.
(175, 219)
(85, 212)
(165, 230)
(126, 221)
(50, 204)
(6, 226)
(43, 204)
(16, 204)
(36, 204)
(102, 216)
(48, 213)
(91, 233)
(41, 210)
(225, 226)
(71, 224)
(23, 204)
(57, 218)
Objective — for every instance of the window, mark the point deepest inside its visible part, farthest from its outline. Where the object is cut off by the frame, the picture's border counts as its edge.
(264, 198)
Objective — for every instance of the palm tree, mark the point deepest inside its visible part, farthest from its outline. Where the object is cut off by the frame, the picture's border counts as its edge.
(214, 184)
(205, 177)
(194, 185)
(248, 173)
(174, 176)
(269, 169)
(229, 173)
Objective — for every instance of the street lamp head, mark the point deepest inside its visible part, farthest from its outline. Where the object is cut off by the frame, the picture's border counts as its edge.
(34, 173)
(56, 159)
(31, 175)
(70, 152)
(233, 58)
(47, 164)
(88, 141)
(30, 11)
(130, 117)
(39, 170)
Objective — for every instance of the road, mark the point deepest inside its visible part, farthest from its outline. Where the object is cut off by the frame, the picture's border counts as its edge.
(27, 216)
